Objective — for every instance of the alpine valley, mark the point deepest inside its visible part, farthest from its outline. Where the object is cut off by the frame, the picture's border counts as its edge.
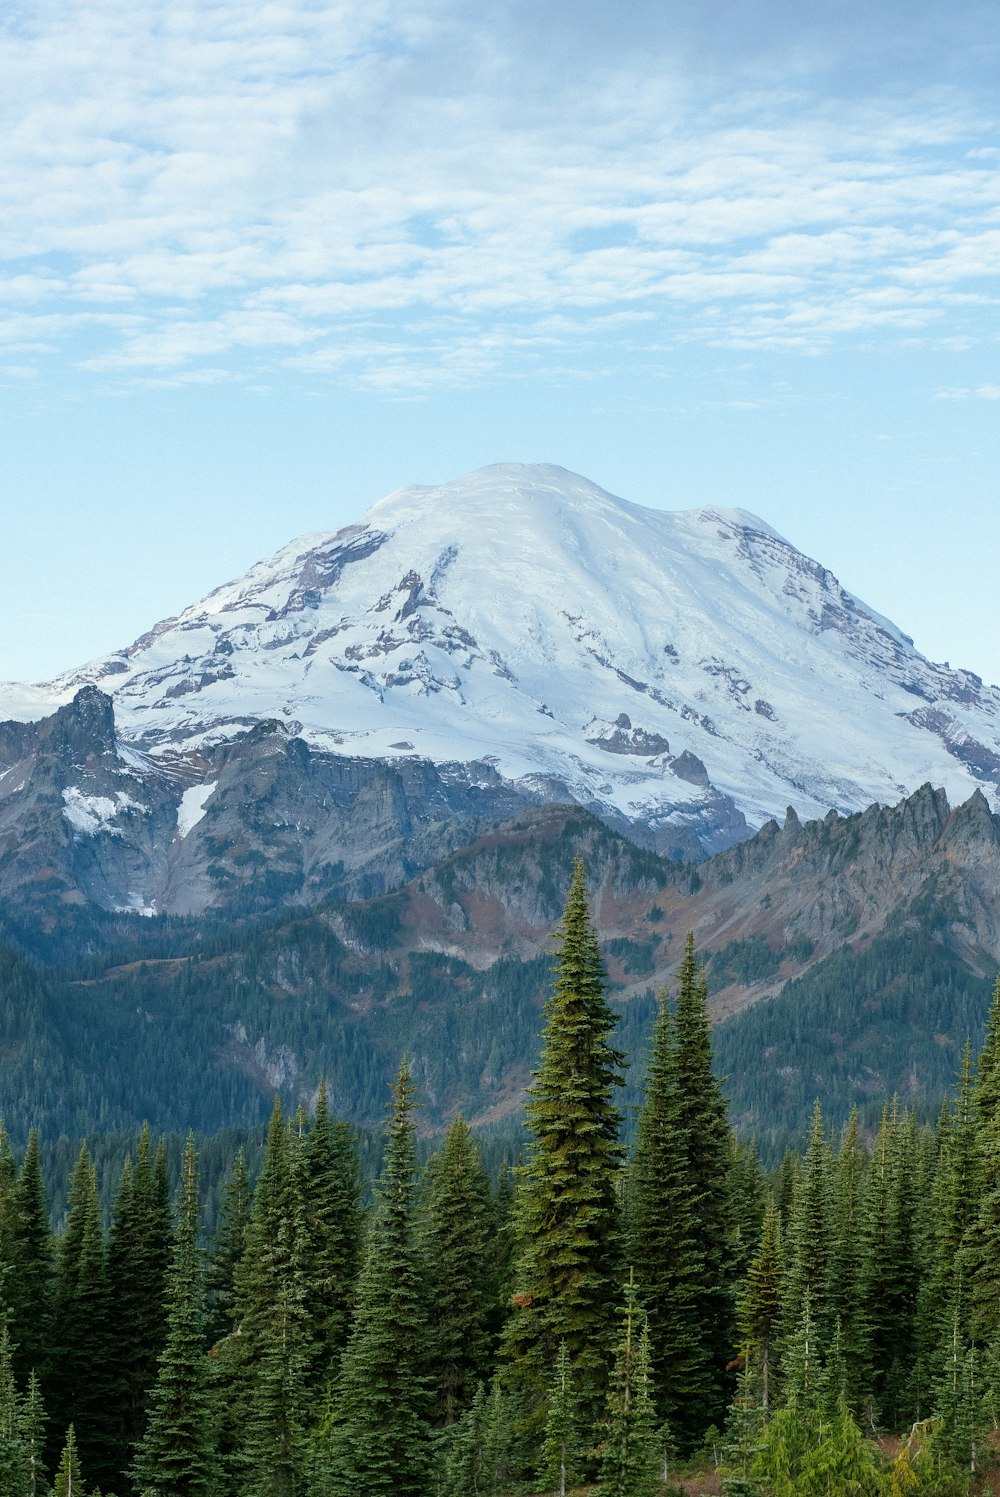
(330, 811)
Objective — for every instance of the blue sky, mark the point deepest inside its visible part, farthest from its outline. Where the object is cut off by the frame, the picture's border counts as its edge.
(261, 264)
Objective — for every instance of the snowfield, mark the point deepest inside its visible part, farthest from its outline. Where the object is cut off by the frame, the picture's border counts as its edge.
(632, 658)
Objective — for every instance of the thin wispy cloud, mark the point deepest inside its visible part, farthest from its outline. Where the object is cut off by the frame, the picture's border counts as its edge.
(394, 195)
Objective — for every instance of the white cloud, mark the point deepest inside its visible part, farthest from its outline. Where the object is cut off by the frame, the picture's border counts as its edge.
(245, 181)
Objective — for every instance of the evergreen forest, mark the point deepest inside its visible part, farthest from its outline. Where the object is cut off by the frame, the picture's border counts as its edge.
(635, 1307)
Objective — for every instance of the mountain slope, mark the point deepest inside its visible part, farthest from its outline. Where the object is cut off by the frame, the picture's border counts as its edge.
(669, 671)
(846, 958)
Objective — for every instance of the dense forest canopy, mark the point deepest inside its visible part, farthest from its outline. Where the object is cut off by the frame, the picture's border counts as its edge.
(619, 1306)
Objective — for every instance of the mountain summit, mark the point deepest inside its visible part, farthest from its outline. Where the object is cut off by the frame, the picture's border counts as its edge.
(523, 627)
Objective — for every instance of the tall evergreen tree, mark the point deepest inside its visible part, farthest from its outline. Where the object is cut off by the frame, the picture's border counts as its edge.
(379, 1440)
(332, 1234)
(889, 1268)
(29, 1282)
(175, 1457)
(14, 1460)
(682, 1240)
(261, 1368)
(759, 1315)
(457, 1244)
(943, 1293)
(664, 1241)
(81, 1378)
(981, 1255)
(33, 1421)
(567, 1222)
(810, 1238)
(138, 1261)
(847, 1307)
(228, 1248)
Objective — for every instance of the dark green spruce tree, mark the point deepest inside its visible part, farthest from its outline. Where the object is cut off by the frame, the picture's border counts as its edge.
(457, 1241)
(175, 1457)
(379, 1440)
(981, 1254)
(630, 1460)
(29, 1281)
(227, 1250)
(682, 1242)
(759, 1314)
(810, 1240)
(568, 1239)
(260, 1369)
(331, 1244)
(81, 1381)
(138, 1261)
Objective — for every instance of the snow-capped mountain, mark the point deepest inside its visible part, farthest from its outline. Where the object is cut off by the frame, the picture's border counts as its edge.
(521, 626)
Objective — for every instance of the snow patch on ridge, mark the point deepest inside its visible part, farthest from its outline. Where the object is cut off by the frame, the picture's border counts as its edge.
(91, 814)
(192, 806)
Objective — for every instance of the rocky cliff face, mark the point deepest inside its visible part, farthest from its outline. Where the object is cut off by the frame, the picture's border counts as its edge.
(766, 911)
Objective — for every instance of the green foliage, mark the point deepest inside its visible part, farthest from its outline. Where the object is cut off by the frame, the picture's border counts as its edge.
(176, 1456)
(457, 1242)
(682, 1239)
(379, 1439)
(760, 1309)
(566, 1215)
(69, 1477)
(858, 1026)
(562, 1452)
(631, 1448)
(80, 1374)
(138, 1260)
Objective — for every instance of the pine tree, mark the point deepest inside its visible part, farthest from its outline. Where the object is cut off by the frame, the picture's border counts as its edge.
(682, 1218)
(29, 1282)
(14, 1464)
(567, 1225)
(81, 1380)
(69, 1477)
(760, 1307)
(959, 1405)
(847, 1307)
(943, 1292)
(464, 1466)
(261, 1368)
(630, 1465)
(748, 1197)
(138, 1262)
(379, 1440)
(743, 1435)
(664, 1241)
(561, 1453)
(33, 1423)
(791, 1433)
(810, 1238)
(705, 1130)
(457, 1245)
(332, 1234)
(888, 1266)
(228, 1249)
(175, 1457)
(981, 1254)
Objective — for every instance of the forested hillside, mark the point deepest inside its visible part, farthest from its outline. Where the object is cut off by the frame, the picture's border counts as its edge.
(602, 1314)
(846, 959)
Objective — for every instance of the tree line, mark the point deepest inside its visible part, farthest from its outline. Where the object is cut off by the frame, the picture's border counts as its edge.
(591, 1316)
